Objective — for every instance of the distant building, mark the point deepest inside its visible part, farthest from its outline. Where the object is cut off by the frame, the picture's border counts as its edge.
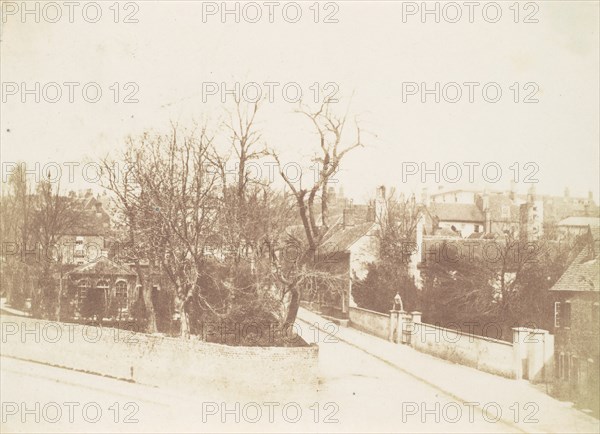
(468, 212)
(463, 219)
(101, 288)
(350, 244)
(531, 226)
(87, 240)
(577, 225)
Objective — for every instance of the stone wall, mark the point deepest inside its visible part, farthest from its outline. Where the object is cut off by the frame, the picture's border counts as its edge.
(529, 356)
(157, 360)
(375, 323)
(485, 354)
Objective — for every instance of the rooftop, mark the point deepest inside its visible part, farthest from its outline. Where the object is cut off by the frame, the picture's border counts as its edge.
(459, 212)
(584, 272)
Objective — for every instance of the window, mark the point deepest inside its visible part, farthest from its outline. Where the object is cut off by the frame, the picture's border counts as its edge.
(476, 228)
(79, 250)
(121, 294)
(561, 366)
(82, 289)
(505, 212)
(562, 314)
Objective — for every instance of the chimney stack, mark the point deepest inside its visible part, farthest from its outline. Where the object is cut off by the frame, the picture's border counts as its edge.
(486, 200)
(380, 205)
(512, 192)
(348, 216)
(424, 196)
(531, 193)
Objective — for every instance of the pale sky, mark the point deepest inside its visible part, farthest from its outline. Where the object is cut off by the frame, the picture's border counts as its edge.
(370, 52)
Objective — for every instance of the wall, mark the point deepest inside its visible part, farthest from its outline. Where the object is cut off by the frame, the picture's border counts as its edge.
(371, 322)
(485, 354)
(529, 356)
(364, 252)
(156, 360)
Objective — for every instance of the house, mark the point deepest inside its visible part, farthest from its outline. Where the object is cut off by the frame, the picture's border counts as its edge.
(557, 208)
(468, 212)
(87, 240)
(576, 225)
(100, 289)
(350, 244)
(576, 298)
(460, 218)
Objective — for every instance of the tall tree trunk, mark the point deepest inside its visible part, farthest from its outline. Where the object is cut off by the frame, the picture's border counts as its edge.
(325, 207)
(184, 319)
(292, 312)
(147, 297)
(183, 296)
(57, 312)
(150, 314)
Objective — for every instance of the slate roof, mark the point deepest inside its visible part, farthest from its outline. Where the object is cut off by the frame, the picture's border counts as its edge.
(580, 221)
(342, 238)
(584, 272)
(102, 266)
(457, 212)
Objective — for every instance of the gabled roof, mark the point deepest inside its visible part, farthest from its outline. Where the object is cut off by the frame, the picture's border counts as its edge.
(341, 237)
(457, 212)
(104, 266)
(584, 272)
(580, 221)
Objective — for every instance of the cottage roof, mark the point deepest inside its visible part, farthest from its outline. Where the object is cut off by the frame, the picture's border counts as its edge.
(104, 266)
(584, 272)
(342, 237)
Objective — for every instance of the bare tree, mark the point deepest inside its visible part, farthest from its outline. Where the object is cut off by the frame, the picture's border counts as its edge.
(54, 215)
(123, 180)
(17, 232)
(171, 209)
(330, 130)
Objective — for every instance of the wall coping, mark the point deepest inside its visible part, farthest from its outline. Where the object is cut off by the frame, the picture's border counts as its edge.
(485, 338)
(370, 311)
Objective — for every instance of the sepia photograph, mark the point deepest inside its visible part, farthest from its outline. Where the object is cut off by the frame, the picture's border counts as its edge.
(300, 216)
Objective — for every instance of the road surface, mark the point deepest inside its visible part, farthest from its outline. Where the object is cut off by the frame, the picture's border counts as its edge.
(358, 393)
